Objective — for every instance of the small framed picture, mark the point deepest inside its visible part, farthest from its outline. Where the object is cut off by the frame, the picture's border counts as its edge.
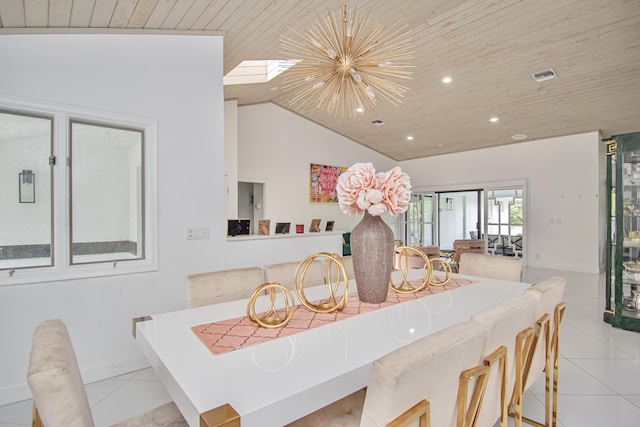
(329, 226)
(315, 226)
(238, 227)
(282, 227)
(263, 227)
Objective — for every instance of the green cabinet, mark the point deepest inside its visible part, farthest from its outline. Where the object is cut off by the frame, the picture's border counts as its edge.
(622, 292)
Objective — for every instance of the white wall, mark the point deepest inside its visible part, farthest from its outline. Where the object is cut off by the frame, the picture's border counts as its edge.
(277, 146)
(176, 80)
(565, 194)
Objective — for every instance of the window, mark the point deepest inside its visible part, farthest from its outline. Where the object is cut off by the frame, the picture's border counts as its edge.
(77, 193)
(466, 214)
(106, 193)
(419, 220)
(26, 143)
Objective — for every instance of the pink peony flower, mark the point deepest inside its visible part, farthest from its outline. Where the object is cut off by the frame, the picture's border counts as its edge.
(360, 189)
(358, 177)
(396, 189)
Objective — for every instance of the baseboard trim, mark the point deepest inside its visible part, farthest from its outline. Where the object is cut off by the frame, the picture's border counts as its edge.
(20, 392)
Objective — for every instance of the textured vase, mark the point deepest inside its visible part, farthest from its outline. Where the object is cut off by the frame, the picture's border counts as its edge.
(372, 255)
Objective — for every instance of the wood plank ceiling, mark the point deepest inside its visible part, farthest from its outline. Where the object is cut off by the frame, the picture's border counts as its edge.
(489, 47)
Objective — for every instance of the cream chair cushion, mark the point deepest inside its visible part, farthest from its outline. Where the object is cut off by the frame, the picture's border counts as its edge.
(284, 273)
(166, 415)
(55, 380)
(348, 266)
(548, 293)
(491, 266)
(503, 322)
(58, 390)
(221, 286)
(346, 412)
(429, 369)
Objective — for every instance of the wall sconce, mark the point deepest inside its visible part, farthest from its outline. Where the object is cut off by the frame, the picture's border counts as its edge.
(27, 186)
(449, 203)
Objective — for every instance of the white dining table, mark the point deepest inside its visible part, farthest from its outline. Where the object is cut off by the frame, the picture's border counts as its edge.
(279, 381)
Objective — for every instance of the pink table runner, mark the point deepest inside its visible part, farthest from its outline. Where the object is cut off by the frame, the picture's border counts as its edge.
(227, 335)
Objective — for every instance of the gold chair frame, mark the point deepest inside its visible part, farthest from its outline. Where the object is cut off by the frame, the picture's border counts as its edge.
(467, 414)
(551, 344)
(329, 304)
(421, 411)
(524, 341)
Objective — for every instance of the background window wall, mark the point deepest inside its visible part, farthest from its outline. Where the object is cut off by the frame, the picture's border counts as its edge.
(466, 215)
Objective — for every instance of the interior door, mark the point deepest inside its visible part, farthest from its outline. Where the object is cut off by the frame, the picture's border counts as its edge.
(459, 216)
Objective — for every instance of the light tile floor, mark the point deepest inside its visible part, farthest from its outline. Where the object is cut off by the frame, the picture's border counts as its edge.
(599, 381)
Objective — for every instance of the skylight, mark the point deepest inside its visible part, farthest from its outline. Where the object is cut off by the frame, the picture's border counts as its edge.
(257, 71)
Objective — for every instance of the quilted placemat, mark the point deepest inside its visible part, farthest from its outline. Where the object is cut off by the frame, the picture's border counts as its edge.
(227, 335)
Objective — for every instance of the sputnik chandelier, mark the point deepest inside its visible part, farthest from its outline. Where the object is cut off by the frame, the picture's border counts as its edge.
(347, 63)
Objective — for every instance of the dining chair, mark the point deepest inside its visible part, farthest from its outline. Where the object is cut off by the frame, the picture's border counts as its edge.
(224, 285)
(509, 338)
(59, 396)
(285, 274)
(461, 246)
(543, 355)
(348, 266)
(491, 266)
(420, 381)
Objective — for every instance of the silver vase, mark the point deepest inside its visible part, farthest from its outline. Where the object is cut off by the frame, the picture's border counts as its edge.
(372, 254)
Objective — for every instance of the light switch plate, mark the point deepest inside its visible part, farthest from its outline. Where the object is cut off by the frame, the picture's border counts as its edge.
(197, 233)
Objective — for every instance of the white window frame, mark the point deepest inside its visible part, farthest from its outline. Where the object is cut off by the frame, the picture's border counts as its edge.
(62, 268)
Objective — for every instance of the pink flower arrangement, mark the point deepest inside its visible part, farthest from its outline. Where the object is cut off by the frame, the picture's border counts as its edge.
(360, 189)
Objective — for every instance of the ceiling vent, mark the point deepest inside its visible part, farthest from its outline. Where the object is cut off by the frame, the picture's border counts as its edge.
(378, 122)
(541, 76)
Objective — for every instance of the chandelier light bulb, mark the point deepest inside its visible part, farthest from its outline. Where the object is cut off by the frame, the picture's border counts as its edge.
(316, 43)
(318, 85)
(332, 53)
(370, 91)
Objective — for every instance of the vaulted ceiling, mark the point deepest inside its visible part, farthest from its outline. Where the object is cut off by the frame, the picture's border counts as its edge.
(490, 48)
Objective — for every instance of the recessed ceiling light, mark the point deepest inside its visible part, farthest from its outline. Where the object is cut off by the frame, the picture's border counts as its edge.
(493, 119)
(518, 136)
(447, 79)
(359, 109)
(409, 137)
